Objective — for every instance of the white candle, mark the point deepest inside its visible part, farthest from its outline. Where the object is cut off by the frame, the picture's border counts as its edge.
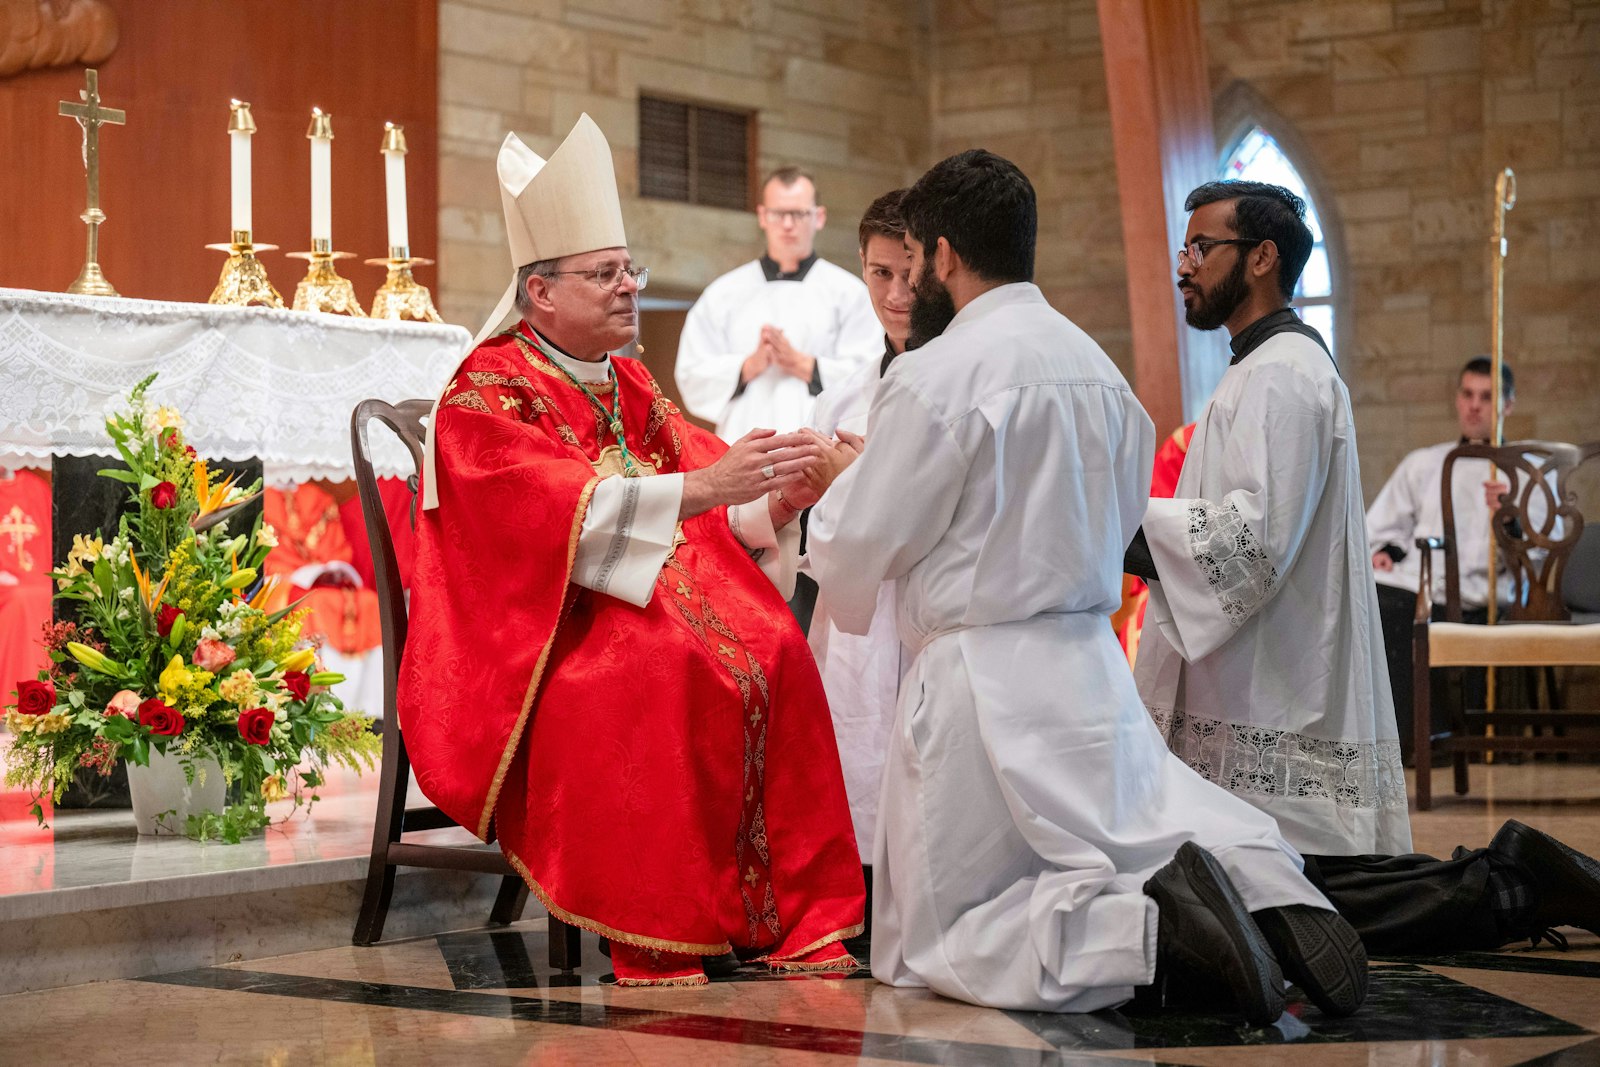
(394, 172)
(240, 127)
(321, 175)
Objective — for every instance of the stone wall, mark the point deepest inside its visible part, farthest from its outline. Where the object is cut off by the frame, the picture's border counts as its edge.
(840, 87)
(1404, 111)
(1026, 80)
(1400, 111)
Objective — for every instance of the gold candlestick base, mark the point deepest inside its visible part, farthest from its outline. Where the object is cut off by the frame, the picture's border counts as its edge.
(92, 282)
(401, 296)
(244, 280)
(322, 289)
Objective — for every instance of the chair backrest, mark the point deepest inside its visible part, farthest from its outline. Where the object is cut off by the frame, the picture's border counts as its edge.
(1580, 585)
(1535, 553)
(406, 420)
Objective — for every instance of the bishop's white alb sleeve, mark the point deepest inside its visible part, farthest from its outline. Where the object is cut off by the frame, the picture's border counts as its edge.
(776, 552)
(626, 535)
(1219, 561)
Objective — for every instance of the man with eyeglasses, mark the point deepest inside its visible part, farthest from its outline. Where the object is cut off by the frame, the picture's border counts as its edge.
(601, 672)
(1266, 668)
(764, 339)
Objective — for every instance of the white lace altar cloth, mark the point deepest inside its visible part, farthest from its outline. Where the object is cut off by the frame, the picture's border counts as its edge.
(275, 384)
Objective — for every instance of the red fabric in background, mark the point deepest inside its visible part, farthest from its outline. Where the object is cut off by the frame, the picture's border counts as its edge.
(397, 509)
(1168, 466)
(24, 556)
(674, 783)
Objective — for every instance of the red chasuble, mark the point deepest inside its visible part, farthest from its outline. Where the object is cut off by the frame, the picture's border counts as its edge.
(665, 776)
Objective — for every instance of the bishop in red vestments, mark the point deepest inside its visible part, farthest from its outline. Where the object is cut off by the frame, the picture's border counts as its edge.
(600, 672)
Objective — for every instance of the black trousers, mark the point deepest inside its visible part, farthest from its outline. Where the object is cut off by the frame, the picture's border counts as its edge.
(1419, 905)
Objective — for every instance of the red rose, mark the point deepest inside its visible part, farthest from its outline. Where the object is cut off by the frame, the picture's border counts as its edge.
(189, 451)
(297, 683)
(36, 698)
(164, 495)
(161, 718)
(165, 618)
(255, 725)
(169, 439)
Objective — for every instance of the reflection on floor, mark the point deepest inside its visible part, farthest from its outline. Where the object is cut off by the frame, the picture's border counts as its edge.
(487, 996)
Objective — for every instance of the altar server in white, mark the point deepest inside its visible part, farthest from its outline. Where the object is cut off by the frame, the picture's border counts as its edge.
(861, 672)
(764, 339)
(1038, 848)
(1265, 668)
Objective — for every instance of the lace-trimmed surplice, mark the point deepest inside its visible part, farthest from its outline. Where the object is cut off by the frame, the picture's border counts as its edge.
(1265, 670)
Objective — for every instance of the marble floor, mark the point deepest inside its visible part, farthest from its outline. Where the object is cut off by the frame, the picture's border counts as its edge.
(486, 997)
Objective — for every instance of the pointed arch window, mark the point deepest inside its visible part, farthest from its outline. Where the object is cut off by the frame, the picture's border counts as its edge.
(1259, 158)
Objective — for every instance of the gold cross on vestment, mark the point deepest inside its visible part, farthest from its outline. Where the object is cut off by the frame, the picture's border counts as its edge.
(91, 116)
(20, 527)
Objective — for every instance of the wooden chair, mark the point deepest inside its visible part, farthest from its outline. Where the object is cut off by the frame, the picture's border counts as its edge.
(394, 819)
(1536, 631)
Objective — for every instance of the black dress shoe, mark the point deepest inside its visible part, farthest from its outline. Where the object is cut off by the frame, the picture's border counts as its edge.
(1205, 934)
(1567, 882)
(1320, 952)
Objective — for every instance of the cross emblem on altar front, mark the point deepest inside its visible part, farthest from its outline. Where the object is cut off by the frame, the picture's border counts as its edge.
(20, 528)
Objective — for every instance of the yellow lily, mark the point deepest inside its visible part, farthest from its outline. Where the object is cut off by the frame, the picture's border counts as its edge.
(240, 578)
(94, 660)
(174, 677)
(299, 661)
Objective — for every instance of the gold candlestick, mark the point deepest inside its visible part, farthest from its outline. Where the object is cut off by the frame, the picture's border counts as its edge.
(401, 296)
(244, 280)
(322, 289)
(91, 281)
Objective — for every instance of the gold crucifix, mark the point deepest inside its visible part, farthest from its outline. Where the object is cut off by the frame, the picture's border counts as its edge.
(91, 116)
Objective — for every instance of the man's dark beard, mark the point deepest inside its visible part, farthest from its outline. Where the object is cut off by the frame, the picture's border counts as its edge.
(1211, 310)
(932, 308)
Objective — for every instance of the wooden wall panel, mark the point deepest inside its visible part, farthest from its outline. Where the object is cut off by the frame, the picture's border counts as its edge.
(164, 176)
(1161, 129)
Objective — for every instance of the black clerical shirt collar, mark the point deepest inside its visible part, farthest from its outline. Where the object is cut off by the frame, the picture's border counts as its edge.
(1284, 320)
(888, 356)
(775, 273)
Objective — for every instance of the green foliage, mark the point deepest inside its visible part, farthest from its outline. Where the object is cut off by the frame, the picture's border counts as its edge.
(219, 659)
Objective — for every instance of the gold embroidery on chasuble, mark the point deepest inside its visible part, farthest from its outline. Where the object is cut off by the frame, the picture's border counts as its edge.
(481, 378)
(750, 679)
(471, 400)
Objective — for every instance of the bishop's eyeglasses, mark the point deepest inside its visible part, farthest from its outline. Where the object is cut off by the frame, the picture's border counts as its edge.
(1195, 251)
(609, 277)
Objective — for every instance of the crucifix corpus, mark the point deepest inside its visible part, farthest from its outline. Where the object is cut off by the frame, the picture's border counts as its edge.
(90, 115)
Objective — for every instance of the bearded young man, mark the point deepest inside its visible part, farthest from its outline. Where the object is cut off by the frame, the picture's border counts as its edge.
(598, 672)
(1265, 669)
(1038, 847)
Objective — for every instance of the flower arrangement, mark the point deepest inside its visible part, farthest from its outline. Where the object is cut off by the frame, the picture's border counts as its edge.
(174, 650)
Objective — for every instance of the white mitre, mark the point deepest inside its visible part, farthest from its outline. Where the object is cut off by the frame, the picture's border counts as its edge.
(562, 206)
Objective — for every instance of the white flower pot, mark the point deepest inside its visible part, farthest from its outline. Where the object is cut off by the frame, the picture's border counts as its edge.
(163, 799)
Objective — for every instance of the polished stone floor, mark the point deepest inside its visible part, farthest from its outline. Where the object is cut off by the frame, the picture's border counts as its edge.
(485, 997)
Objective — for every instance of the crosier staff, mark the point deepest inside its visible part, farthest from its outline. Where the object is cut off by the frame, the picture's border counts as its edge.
(1505, 198)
